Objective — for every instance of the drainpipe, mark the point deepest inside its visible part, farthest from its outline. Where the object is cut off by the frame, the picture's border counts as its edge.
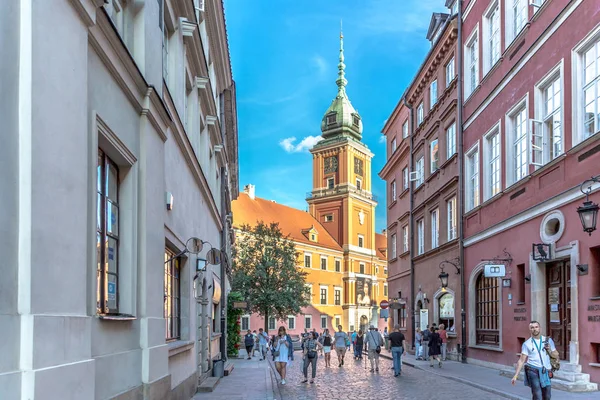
(461, 187)
(411, 221)
(224, 260)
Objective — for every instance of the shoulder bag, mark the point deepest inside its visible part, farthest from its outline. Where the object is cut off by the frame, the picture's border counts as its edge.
(378, 348)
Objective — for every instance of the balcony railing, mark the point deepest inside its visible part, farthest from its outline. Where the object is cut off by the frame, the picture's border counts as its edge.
(340, 190)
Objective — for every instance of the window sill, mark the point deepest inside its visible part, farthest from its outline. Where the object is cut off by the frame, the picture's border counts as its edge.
(179, 346)
(116, 317)
(432, 175)
(595, 365)
(489, 348)
(595, 298)
(448, 161)
(404, 191)
(520, 303)
(393, 203)
(215, 336)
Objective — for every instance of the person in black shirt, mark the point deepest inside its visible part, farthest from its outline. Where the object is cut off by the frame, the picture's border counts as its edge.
(249, 343)
(398, 344)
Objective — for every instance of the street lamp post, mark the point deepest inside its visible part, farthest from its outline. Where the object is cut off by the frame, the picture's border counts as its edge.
(588, 212)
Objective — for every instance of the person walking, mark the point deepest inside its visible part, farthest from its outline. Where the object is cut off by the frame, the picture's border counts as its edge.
(310, 356)
(353, 339)
(249, 343)
(263, 342)
(426, 336)
(444, 336)
(340, 338)
(418, 344)
(535, 355)
(434, 347)
(386, 338)
(255, 348)
(397, 344)
(281, 353)
(360, 341)
(327, 342)
(291, 348)
(374, 343)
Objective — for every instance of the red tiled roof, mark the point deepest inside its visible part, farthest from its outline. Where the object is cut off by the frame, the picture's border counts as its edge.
(291, 220)
(381, 244)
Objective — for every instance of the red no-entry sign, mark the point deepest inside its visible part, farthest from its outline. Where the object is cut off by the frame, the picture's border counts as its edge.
(384, 304)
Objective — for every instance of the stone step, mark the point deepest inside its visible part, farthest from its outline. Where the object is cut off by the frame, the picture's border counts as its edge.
(572, 376)
(228, 368)
(208, 385)
(561, 384)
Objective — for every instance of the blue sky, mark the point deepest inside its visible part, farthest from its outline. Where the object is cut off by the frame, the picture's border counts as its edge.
(284, 58)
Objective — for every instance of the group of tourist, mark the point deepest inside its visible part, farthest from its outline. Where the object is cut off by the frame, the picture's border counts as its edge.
(431, 343)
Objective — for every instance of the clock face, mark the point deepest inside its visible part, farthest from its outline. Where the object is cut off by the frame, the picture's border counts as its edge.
(358, 166)
(331, 164)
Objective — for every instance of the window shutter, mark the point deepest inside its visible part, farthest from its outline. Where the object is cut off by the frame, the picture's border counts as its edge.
(536, 143)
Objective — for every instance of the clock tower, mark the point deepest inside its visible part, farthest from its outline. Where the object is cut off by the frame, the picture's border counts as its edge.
(342, 201)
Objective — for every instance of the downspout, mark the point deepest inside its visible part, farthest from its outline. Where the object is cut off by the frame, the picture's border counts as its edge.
(461, 186)
(224, 260)
(411, 221)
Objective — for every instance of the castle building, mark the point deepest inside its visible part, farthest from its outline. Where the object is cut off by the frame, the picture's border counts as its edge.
(336, 239)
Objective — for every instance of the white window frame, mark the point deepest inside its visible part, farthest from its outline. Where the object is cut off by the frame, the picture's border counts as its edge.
(433, 94)
(361, 238)
(308, 317)
(451, 141)
(471, 64)
(310, 295)
(452, 232)
(492, 33)
(420, 170)
(323, 318)
(362, 268)
(420, 114)
(332, 181)
(577, 89)
(304, 261)
(321, 263)
(247, 319)
(337, 289)
(323, 287)
(394, 146)
(435, 228)
(434, 158)
(329, 218)
(293, 324)
(385, 289)
(405, 239)
(394, 244)
(405, 129)
(405, 180)
(450, 72)
(512, 117)
(338, 321)
(359, 185)
(492, 162)
(393, 190)
(472, 192)
(420, 236)
(513, 29)
(274, 323)
(337, 262)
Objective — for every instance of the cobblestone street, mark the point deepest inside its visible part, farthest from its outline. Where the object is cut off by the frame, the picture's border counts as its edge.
(353, 381)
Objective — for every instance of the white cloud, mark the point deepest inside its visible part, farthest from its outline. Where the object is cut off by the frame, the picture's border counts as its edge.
(305, 144)
(321, 65)
(382, 139)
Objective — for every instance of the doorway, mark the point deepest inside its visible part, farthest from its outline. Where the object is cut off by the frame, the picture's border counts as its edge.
(558, 308)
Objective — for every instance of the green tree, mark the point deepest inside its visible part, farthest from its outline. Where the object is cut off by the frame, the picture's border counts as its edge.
(265, 272)
(233, 324)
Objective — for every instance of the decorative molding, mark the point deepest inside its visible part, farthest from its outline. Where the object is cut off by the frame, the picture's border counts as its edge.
(114, 140)
(187, 27)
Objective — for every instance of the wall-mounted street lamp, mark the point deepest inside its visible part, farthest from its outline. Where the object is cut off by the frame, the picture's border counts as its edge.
(444, 275)
(588, 212)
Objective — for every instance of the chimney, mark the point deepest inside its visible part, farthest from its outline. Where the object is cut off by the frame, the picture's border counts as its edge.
(249, 190)
(384, 232)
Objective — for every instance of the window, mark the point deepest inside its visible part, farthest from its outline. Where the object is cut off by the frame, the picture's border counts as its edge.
(323, 295)
(405, 130)
(452, 219)
(377, 269)
(107, 235)
(435, 228)
(329, 218)
(492, 163)
(405, 238)
(271, 323)
(330, 183)
(394, 144)
(337, 293)
(432, 94)
(472, 183)
(434, 156)
(450, 73)
(385, 271)
(291, 322)
(518, 16)
(308, 321)
(324, 263)
(450, 141)
(307, 257)
(446, 307)
(361, 268)
(385, 289)
(361, 241)
(358, 184)
(487, 311)
(552, 120)
(172, 312)
(117, 11)
(165, 53)
(245, 323)
(420, 237)
(591, 90)
(331, 119)
(420, 171)
(393, 239)
(308, 292)
(520, 284)
(471, 64)
(338, 266)
(453, 7)
(420, 114)
(405, 178)
(517, 137)
(337, 321)
(313, 238)
(402, 316)
(323, 321)
(491, 33)
(393, 190)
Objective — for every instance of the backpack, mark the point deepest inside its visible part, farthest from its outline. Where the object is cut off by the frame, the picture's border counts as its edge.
(426, 335)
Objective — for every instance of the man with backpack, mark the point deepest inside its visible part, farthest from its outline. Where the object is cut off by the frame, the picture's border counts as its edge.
(425, 343)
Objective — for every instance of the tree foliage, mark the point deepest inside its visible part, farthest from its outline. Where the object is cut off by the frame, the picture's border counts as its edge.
(233, 324)
(265, 272)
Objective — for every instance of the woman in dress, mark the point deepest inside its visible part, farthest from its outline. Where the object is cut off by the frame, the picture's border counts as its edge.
(435, 343)
(281, 352)
(327, 348)
(311, 345)
(360, 340)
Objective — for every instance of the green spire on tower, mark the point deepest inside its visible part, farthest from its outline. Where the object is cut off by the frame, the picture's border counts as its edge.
(341, 80)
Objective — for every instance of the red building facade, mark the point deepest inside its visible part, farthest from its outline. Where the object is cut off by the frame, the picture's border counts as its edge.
(531, 84)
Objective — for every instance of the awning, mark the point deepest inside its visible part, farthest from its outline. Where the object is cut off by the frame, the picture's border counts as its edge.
(216, 290)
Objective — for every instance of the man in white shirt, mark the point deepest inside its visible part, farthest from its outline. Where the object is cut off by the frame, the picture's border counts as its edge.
(535, 355)
(263, 341)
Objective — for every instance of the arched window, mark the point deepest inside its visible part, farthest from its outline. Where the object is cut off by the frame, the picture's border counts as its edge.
(487, 314)
(446, 311)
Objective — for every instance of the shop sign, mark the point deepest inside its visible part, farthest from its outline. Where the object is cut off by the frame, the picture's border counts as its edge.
(494, 270)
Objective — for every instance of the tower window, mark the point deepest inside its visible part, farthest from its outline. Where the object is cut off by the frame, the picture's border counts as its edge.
(355, 120)
(361, 241)
(331, 119)
(358, 184)
(329, 218)
(330, 183)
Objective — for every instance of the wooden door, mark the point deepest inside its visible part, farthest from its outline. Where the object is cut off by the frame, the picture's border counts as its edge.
(559, 306)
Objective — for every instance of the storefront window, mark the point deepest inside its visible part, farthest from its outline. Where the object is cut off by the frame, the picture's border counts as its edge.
(446, 307)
